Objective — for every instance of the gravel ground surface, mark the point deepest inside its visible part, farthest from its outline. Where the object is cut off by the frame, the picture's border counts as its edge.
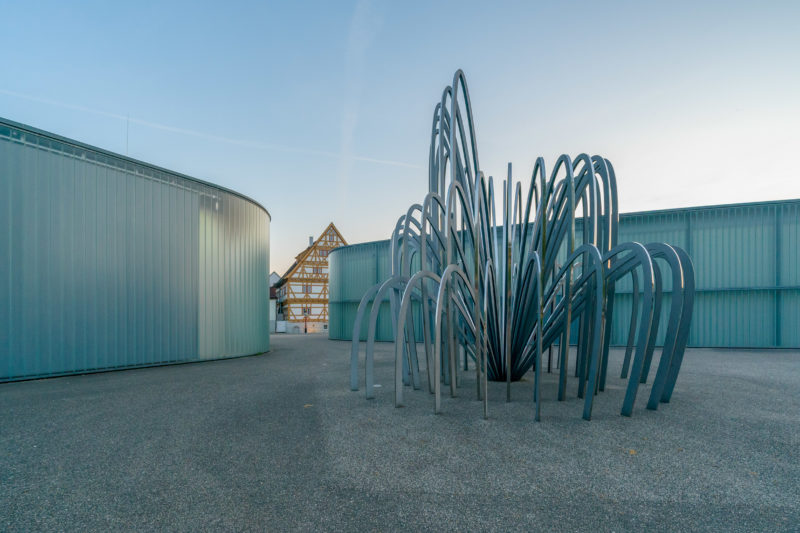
(279, 442)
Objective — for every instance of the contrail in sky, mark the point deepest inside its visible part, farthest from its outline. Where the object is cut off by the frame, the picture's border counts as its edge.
(202, 135)
(365, 25)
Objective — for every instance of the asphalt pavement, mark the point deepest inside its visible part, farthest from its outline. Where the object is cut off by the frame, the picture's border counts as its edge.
(278, 442)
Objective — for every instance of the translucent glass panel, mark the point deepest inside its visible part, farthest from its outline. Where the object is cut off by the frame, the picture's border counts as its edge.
(353, 270)
(747, 271)
(233, 279)
(103, 262)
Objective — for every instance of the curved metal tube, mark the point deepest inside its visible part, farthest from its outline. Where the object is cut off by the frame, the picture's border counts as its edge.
(507, 291)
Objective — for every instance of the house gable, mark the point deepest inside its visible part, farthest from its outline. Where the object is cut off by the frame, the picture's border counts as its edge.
(304, 286)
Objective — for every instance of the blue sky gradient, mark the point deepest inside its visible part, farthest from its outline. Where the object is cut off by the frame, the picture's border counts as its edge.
(316, 109)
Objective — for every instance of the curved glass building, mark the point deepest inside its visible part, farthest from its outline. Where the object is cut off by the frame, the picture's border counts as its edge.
(109, 263)
(747, 272)
(352, 271)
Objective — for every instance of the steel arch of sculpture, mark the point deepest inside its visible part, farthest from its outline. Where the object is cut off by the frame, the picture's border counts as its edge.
(501, 293)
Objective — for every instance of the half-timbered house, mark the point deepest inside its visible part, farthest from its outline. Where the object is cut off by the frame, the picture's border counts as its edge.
(303, 290)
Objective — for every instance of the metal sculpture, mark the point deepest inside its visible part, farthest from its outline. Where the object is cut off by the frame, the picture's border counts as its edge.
(501, 292)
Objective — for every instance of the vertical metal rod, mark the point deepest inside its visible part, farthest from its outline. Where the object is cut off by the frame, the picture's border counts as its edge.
(505, 321)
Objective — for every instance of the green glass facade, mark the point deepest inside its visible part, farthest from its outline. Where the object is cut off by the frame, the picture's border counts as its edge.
(747, 269)
(108, 263)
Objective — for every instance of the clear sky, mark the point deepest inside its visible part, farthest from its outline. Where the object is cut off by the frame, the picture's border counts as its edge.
(321, 111)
